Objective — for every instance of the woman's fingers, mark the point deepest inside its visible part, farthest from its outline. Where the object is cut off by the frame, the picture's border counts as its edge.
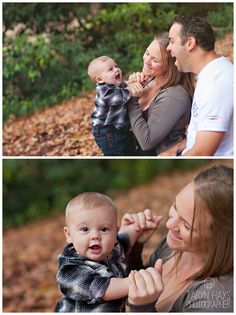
(138, 77)
(142, 219)
(132, 283)
(157, 219)
(153, 281)
(148, 214)
(135, 89)
(146, 219)
(158, 266)
(145, 286)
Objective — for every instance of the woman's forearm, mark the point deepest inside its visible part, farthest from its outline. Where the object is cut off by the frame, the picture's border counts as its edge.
(164, 113)
(134, 258)
(149, 133)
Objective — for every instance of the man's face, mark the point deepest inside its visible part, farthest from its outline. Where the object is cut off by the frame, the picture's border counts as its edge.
(177, 48)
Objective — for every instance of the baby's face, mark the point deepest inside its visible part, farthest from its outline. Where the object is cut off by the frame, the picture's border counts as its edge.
(110, 73)
(93, 232)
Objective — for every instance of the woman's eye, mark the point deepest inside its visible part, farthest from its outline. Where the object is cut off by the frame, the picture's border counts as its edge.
(187, 227)
(147, 53)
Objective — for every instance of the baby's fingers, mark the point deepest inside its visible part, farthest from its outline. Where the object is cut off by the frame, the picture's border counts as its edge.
(128, 218)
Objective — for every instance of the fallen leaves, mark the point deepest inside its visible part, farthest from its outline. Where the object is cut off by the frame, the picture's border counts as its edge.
(61, 130)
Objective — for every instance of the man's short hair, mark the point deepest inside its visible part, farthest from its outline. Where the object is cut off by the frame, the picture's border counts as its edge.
(198, 28)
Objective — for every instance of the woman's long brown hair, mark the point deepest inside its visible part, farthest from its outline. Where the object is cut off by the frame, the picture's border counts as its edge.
(214, 194)
(173, 76)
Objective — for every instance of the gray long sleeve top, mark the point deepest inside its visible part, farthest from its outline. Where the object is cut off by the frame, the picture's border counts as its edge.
(214, 294)
(168, 116)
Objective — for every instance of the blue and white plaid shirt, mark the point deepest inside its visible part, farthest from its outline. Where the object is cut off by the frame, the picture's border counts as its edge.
(83, 282)
(110, 106)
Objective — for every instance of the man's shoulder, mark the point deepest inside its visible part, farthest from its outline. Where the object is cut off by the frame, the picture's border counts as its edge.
(219, 66)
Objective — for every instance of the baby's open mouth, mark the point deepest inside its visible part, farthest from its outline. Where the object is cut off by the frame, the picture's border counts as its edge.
(118, 76)
(95, 247)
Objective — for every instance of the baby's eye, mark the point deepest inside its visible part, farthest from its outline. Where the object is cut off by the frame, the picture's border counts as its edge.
(84, 229)
(147, 53)
(104, 229)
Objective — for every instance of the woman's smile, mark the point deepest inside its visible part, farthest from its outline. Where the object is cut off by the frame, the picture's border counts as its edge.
(173, 236)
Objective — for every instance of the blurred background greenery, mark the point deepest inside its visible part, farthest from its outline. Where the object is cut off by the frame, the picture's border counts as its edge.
(34, 189)
(47, 46)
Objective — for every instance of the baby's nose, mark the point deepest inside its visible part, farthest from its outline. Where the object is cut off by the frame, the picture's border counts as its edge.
(95, 236)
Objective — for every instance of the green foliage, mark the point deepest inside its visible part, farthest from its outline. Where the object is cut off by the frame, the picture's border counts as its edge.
(39, 188)
(47, 46)
(222, 18)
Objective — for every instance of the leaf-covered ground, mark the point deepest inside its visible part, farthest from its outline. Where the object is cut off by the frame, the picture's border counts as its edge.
(64, 129)
(30, 252)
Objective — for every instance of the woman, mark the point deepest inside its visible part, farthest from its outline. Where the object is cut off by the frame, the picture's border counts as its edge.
(160, 116)
(197, 252)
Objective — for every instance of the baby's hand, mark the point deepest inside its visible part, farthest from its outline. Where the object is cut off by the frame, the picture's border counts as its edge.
(130, 224)
(138, 77)
(143, 223)
(135, 89)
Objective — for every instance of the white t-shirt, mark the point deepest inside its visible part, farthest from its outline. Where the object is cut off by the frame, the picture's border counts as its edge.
(212, 107)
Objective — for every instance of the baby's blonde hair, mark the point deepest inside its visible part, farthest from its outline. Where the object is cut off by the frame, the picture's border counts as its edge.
(89, 200)
(93, 67)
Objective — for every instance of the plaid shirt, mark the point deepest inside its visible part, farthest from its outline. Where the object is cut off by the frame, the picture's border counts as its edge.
(109, 106)
(83, 282)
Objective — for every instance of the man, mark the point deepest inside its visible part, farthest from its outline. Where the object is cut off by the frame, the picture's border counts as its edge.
(210, 131)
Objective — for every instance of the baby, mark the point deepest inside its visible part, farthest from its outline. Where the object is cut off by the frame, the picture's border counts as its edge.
(92, 272)
(110, 118)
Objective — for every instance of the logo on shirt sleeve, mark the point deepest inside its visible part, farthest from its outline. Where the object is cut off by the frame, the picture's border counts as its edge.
(195, 109)
(213, 117)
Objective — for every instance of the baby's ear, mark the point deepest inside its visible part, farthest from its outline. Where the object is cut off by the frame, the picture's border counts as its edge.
(67, 235)
(99, 79)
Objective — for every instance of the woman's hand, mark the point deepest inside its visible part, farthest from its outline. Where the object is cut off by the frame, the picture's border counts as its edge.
(145, 222)
(175, 149)
(135, 89)
(145, 286)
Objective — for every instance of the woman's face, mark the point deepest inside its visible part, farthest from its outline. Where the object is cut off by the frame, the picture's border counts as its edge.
(180, 221)
(153, 64)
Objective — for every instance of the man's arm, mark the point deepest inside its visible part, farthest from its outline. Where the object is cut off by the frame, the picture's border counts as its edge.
(206, 143)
